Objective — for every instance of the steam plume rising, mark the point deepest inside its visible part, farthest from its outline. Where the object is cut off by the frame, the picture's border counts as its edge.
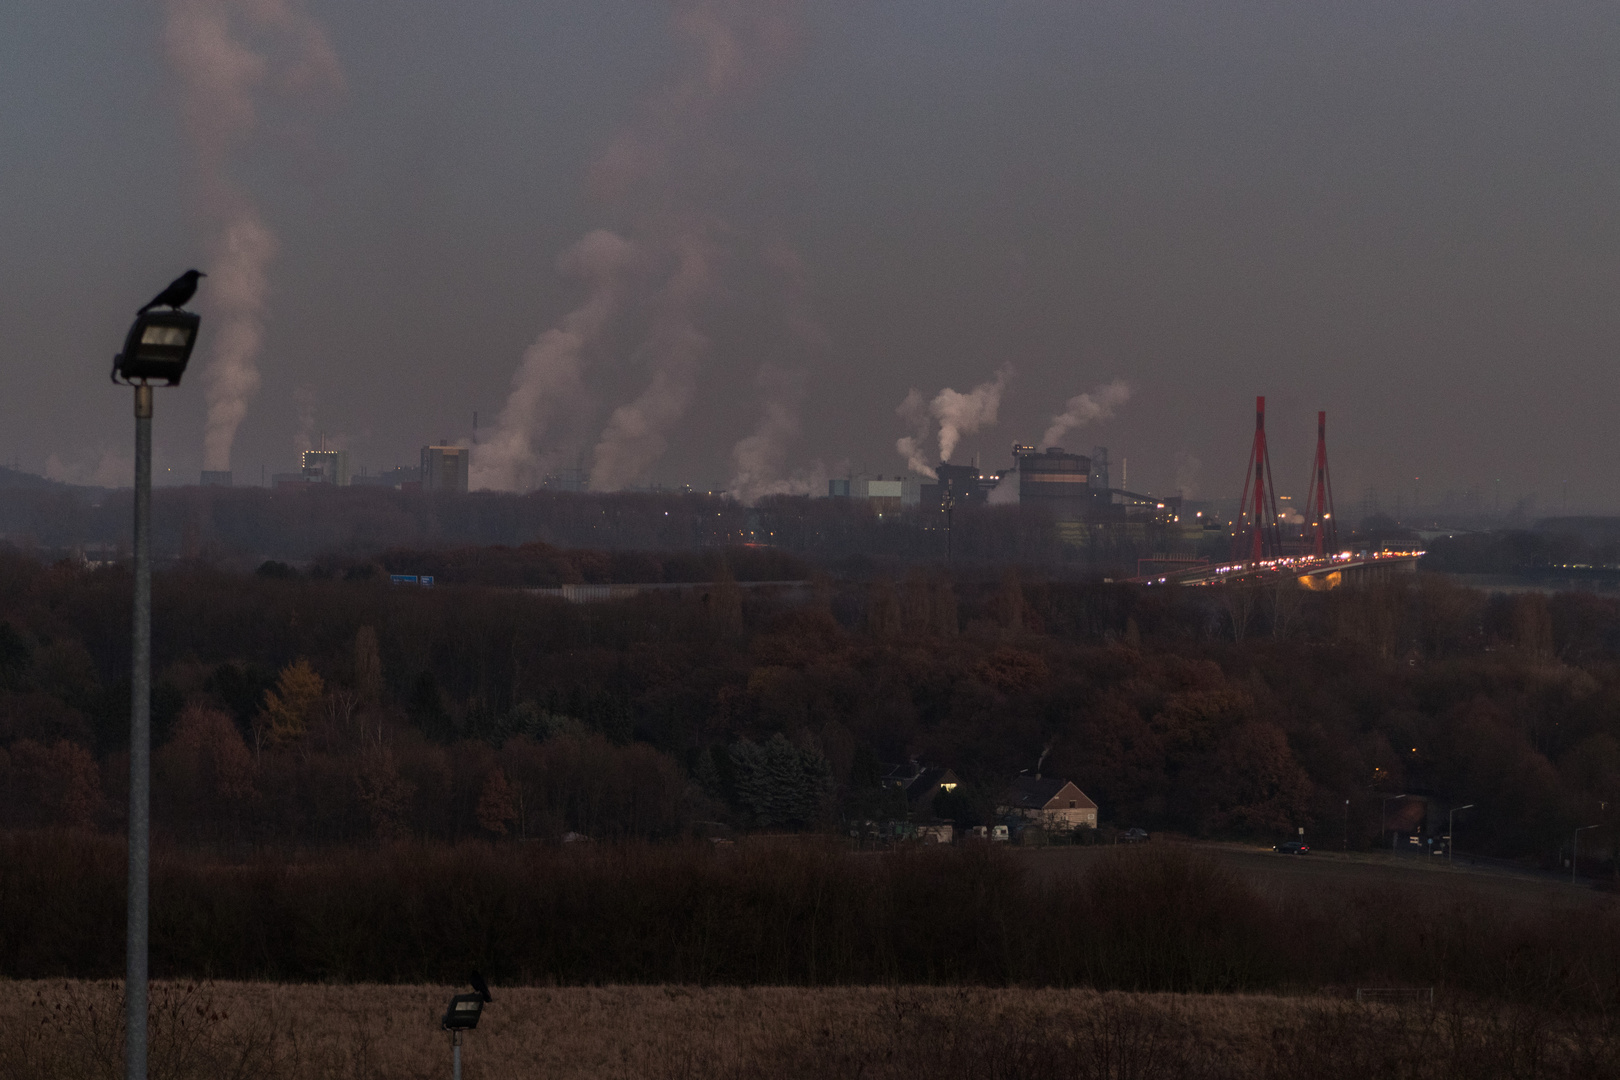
(957, 414)
(238, 289)
(219, 71)
(759, 460)
(1082, 409)
(652, 172)
(551, 377)
(636, 433)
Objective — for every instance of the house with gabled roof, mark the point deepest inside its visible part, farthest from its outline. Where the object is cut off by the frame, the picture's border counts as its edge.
(921, 784)
(1056, 805)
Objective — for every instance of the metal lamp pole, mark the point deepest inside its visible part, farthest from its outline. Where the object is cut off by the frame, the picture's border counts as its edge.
(156, 350)
(140, 750)
(1575, 850)
(1451, 834)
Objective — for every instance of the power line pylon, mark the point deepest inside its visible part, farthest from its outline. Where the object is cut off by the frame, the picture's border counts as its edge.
(1319, 505)
(1258, 535)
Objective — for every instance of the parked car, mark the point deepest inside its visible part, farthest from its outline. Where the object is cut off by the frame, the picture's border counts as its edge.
(998, 834)
(1133, 836)
(1291, 847)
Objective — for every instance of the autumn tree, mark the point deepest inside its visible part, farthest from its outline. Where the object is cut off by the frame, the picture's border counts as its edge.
(367, 665)
(205, 773)
(289, 707)
(497, 809)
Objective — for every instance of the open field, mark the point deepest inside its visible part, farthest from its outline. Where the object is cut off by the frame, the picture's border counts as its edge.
(246, 1031)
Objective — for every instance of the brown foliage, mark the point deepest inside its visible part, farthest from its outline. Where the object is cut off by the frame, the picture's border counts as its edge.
(54, 784)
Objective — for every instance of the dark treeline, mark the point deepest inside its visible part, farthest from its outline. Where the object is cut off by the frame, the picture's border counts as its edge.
(1558, 544)
(1152, 918)
(317, 710)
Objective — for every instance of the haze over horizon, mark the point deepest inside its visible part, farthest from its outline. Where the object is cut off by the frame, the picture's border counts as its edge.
(722, 242)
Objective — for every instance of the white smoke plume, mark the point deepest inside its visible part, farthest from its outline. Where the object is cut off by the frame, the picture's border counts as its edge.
(1082, 409)
(956, 413)
(550, 381)
(652, 173)
(238, 286)
(759, 461)
(304, 401)
(223, 52)
(637, 432)
(1187, 469)
(914, 411)
(108, 468)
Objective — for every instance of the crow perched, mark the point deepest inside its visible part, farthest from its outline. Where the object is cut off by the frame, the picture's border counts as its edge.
(480, 985)
(180, 290)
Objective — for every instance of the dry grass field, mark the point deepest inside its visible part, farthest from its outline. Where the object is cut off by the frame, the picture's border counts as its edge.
(55, 1030)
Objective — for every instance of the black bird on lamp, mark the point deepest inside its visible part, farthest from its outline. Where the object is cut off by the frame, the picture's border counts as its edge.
(178, 294)
(477, 982)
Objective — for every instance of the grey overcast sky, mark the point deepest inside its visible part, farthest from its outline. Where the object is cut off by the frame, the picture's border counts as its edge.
(1401, 212)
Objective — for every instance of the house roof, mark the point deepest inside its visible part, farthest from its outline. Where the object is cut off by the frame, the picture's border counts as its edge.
(1035, 793)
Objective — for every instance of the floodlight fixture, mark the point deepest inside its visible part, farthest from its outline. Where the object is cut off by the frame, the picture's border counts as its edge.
(157, 348)
(463, 1013)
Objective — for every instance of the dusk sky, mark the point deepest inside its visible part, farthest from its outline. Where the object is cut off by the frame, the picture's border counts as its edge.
(718, 239)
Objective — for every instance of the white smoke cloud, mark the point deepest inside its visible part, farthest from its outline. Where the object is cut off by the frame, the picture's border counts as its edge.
(914, 411)
(223, 51)
(238, 286)
(759, 461)
(956, 413)
(1006, 491)
(550, 381)
(1187, 469)
(106, 469)
(638, 432)
(304, 401)
(653, 172)
(964, 414)
(1082, 409)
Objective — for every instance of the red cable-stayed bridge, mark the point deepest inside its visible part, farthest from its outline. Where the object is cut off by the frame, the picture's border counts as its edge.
(1266, 549)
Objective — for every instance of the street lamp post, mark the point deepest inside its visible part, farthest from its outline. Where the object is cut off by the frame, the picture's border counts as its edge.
(1451, 834)
(156, 352)
(1575, 849)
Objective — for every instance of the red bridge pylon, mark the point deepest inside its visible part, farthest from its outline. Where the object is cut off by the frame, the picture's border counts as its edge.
(1258, 534)
(1322, 526)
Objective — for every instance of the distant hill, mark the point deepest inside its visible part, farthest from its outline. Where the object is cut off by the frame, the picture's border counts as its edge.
(14, 478)
(1593, 530)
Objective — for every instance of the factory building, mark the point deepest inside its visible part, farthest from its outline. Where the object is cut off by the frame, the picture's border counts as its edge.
(445, 468)
(1054, 480)
(884, 496)
(326, 466)
(964, 485)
